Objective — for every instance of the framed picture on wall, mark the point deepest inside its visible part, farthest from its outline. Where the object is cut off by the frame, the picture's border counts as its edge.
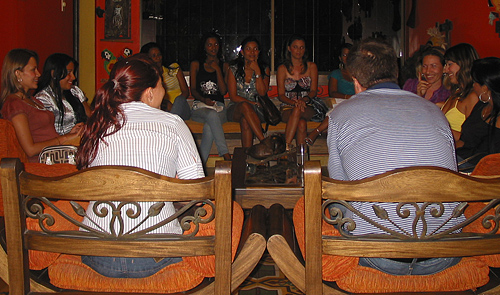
(117, 20)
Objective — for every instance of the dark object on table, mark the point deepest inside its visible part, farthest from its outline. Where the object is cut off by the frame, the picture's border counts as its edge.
(272, 145)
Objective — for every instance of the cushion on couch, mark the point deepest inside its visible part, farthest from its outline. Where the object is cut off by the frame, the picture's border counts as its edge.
(176, 277)
(469, 273)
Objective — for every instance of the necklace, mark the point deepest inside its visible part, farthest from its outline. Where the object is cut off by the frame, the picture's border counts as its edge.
(31, 102)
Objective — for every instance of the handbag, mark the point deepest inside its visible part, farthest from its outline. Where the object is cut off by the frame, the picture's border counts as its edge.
(199, 104)
(270, 112)
(58, 154)
(319, 107)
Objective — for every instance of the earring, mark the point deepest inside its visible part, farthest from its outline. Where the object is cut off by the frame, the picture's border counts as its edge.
(19, 80)
(481, 99)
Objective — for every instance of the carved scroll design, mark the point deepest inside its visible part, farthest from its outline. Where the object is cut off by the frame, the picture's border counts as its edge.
(192, 215)
(346, 224)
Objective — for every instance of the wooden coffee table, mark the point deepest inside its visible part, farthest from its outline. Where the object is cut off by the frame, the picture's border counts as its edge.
(265, 194)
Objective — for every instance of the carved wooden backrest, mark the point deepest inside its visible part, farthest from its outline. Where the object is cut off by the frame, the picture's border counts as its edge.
(27, 195)
(414, 190)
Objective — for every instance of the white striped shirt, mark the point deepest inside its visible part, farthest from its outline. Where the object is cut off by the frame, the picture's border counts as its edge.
(384, 128)
(152, 140)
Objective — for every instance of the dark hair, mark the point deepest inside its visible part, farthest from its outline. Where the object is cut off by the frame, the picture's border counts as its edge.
(240, 60)
(128, 79)
(148, 46)
(343, 46)
(434, 51)
(287, 56)
(464, 55)
(372, 61)
(201, 54)
(54, 71)
(15, 60)
(486, 71)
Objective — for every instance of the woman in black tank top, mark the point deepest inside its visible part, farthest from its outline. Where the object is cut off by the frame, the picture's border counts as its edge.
(208, 88)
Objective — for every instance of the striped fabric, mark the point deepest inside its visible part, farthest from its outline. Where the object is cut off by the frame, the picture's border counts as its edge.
(384, 128)
(152, 140)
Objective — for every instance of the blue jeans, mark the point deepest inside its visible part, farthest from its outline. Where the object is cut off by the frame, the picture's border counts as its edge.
(212, 130)
(465, 167)
(121, 267)
(397, 268)
(181, 108)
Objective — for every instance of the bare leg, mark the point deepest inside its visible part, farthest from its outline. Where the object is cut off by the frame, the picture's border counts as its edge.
(292, 118)
(311, 138)
(301, 132)
(246, 133)
(251, 120)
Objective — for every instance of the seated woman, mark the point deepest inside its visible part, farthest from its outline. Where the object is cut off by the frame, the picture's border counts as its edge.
(297, 81)
(175, 100)
(340, 84)
(481, 131)
(208, 88)
(459, 105)
(247, 79)
(430, 84)
(34, 124)
(58, 94)
(134, 132)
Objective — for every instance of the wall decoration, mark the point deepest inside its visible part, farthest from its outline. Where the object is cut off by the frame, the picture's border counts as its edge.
(109, 60)
(117, 20)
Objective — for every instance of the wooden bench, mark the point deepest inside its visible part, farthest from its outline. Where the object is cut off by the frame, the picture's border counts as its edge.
(233, 132)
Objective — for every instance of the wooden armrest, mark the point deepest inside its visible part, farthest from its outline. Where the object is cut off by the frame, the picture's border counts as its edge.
(255, 222)
(281, 224)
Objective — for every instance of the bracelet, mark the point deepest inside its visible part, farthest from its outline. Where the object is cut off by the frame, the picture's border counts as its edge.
(318, 130)
(308, 98)
(257, 76)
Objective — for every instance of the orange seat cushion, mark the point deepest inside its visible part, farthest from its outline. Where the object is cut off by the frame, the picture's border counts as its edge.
(469, 273)
(489, 165)
(176, 277)
(41, 259)
(205, 265)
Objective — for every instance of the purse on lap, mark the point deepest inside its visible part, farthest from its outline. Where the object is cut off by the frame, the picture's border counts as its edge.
(58, 154)
(319, 107)
(271, 114)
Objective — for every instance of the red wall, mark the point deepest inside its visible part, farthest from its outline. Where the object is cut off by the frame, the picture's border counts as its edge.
(37, 25)
(117, 46)
(470, 24)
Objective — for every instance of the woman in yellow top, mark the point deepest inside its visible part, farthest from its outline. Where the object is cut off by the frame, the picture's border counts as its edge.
(462, 100)
(175, 100)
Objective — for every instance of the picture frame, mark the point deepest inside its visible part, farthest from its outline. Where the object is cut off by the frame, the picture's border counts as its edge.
(117, 20)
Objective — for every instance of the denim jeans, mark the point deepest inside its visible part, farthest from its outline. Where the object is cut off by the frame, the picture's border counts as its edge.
(466, 167)
(121, 267)
(212, 130)
(393, 267)
(397, 268)
(181, 108)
